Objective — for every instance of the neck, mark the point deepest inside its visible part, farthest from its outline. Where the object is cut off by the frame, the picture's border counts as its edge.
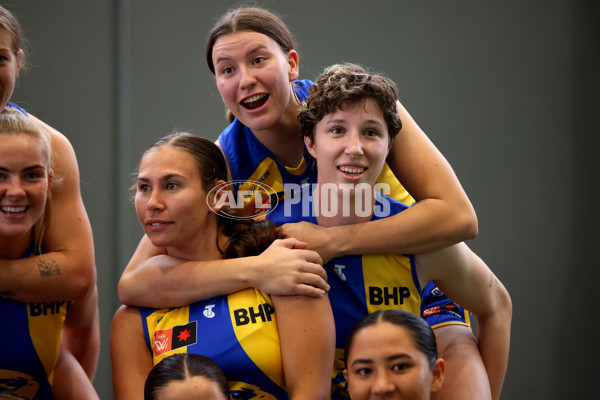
(12, 248)
(337, 205)
(284, 139)
(203, 247)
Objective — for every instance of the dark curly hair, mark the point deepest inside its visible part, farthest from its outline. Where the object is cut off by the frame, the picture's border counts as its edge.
(349, 83)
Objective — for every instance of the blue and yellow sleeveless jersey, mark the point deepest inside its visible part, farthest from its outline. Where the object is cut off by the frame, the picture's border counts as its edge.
(237, 331)
(250, 164)
(29, 346)
(362, 284)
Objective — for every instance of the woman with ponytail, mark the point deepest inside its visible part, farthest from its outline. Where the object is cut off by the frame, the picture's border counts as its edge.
(270, 346)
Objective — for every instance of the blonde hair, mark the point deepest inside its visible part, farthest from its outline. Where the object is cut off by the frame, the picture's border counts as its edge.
(15, 122)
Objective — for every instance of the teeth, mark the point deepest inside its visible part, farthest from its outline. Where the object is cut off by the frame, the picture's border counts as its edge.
(155, 224)
(254, 98)
(13, 210)
(352, 170)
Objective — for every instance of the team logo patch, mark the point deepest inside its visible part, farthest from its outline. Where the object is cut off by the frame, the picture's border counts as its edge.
(247, 391)
(173, 338)
(17, 385)
(448, 308)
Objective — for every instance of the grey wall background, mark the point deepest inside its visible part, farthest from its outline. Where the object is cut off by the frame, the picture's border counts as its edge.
(507, 90)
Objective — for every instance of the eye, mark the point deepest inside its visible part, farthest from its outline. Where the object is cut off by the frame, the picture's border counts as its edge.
(227, 70)
(400, 367)
(337, 130)
(259, 60)
(33, 176)
(143, 188)
(171, 186)
(363, 371)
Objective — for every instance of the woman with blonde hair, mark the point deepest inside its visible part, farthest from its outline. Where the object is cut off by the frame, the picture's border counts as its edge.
(33, 362)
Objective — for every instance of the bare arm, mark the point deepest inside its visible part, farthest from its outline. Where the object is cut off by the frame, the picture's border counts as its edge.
(156, 280)
(465, 278)
(70, 381)
(81, 332)
(66, 270)
(443, 215)
(465, 377)
(307, 337)
(131, 360)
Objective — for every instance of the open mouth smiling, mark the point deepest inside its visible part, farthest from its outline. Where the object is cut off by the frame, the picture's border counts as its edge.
(255, 101)
(13, 210)
(353, 171)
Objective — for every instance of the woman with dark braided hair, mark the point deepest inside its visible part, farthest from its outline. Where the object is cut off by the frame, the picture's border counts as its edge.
(186, 376)
(268, 346)
(392, 354)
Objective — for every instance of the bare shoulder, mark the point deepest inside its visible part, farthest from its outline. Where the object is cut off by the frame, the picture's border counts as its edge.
(60, 142)
(126, 316)
(65, 161)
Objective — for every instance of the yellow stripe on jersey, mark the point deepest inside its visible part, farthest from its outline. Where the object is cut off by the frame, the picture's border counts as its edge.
(397, 191)
(379, 271)
(180, 316)
(298, 170)
(266, 173)
(256, 331)
(45, 324)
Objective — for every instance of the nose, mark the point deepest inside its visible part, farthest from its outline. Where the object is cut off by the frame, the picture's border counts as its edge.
(155, 201)
(247, 78)
(14, 188)
(382, 384)
(354, 146)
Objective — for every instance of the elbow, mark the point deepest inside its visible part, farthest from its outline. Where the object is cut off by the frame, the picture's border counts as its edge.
(124, 291)
(83, 283)
(503, 309)
(469, 226)
(507, 306)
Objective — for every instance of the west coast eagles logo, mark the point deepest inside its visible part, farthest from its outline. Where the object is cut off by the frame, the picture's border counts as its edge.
(17, 385)
(246, 391)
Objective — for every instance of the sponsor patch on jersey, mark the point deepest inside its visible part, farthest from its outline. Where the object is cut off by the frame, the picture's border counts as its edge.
(173, 338)
(450, 308)
(436, 292)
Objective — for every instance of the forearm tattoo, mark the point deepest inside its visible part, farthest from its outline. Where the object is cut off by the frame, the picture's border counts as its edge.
(48, 267)
(492, 279)
(7, 293)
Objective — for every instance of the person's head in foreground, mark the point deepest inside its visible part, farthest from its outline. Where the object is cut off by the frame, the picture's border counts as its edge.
(392, 354)
(186, 377)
